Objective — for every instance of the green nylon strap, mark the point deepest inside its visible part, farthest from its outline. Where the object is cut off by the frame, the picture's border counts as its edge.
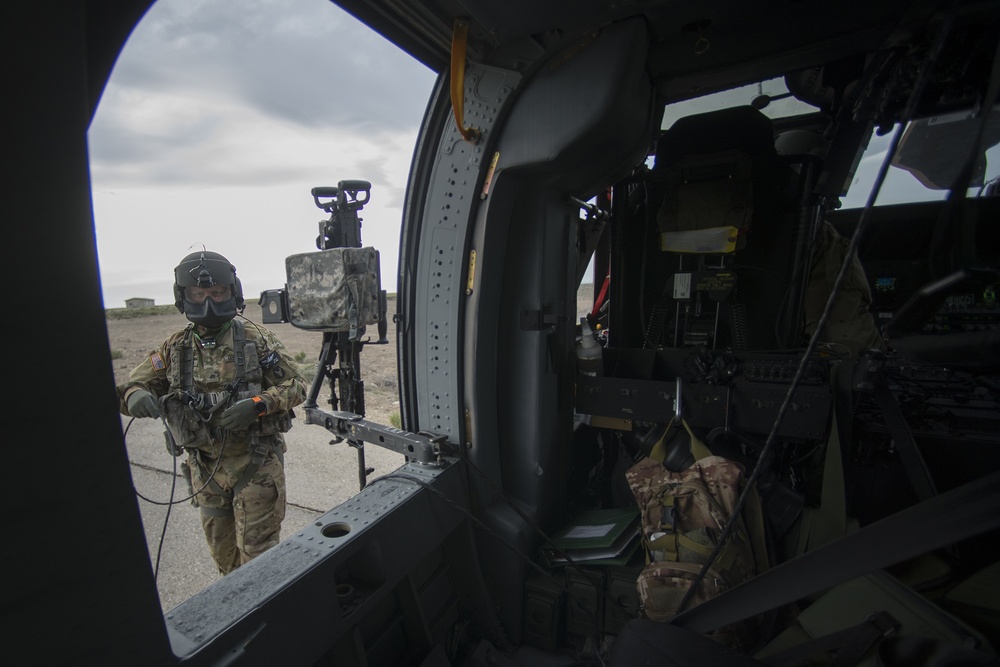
(828, 521)
(239, 345)
(205, 473)
(686, 542)
(834, 502)
(667, 543)
(260, 456)
(260, 452)
(187, 360)
(723, 562)
(244, 479)
(698, 448)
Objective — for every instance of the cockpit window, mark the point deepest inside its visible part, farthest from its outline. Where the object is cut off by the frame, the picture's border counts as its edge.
(771, 97)
(932, 152)
(930, 156)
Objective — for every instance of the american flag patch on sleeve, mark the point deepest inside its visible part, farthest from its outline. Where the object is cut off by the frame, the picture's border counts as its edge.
(157, 361)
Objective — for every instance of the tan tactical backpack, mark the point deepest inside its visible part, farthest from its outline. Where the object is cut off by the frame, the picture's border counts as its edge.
(683, 515)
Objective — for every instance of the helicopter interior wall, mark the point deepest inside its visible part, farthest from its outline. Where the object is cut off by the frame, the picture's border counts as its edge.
(531, 387)
(586, 117)
(529, 446)
(559, 152)
(584, 120)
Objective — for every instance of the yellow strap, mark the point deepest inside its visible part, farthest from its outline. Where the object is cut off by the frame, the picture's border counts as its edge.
(458, 40)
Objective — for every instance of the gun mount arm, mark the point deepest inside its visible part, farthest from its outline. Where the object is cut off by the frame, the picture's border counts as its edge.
(418, 448)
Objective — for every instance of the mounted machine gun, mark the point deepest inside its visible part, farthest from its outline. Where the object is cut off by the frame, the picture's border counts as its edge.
(337, 291)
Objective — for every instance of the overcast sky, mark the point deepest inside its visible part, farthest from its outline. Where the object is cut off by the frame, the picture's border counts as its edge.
(219, 119)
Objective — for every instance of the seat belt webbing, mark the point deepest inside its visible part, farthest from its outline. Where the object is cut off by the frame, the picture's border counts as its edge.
(964, 512)
(909, 454)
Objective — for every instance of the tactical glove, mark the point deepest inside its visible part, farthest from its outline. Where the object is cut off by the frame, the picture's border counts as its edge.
(141, 403)
(241, 414)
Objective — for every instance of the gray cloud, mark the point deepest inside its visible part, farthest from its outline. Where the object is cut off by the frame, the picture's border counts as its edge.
(303, 63)
(113, 141)
(390, 192)
(311, 67)
(276, 96)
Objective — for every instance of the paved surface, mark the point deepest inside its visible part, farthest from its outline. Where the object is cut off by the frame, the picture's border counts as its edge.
(319, 476)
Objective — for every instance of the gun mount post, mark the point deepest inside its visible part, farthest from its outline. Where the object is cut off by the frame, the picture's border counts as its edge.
(417, 447)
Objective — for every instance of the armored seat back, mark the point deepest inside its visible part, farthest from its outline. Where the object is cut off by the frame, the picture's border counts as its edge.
(726, 216)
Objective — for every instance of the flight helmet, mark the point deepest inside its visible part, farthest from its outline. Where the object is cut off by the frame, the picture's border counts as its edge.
(206, 269)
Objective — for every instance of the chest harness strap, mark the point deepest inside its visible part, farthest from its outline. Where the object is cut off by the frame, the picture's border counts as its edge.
(242, 388)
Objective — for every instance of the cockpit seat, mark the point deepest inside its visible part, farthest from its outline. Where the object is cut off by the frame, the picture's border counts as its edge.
(726, 219)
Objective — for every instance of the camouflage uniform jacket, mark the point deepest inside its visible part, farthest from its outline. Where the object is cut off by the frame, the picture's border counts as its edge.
(271, 373)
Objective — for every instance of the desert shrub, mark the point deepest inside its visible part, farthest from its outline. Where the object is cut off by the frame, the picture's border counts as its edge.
(307, 371)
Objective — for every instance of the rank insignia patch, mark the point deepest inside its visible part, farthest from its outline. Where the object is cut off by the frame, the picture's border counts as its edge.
(157, 361)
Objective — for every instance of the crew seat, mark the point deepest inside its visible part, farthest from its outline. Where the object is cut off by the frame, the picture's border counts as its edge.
(727, 219)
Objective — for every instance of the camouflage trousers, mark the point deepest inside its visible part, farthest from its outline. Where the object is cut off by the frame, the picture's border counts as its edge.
(241, 527)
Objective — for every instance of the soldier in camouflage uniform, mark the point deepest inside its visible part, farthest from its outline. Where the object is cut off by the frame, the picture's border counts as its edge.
(226, 388)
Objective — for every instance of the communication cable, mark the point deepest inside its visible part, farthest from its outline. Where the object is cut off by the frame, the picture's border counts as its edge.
(173, 488)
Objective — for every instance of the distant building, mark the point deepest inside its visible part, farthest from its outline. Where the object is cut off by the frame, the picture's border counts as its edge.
(139, 303)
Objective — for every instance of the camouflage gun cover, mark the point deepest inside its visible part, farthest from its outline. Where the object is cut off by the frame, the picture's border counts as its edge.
(333, 290)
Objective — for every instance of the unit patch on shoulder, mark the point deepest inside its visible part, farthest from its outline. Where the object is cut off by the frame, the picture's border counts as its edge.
(157, 361)
(279, 372)
(270, 360)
